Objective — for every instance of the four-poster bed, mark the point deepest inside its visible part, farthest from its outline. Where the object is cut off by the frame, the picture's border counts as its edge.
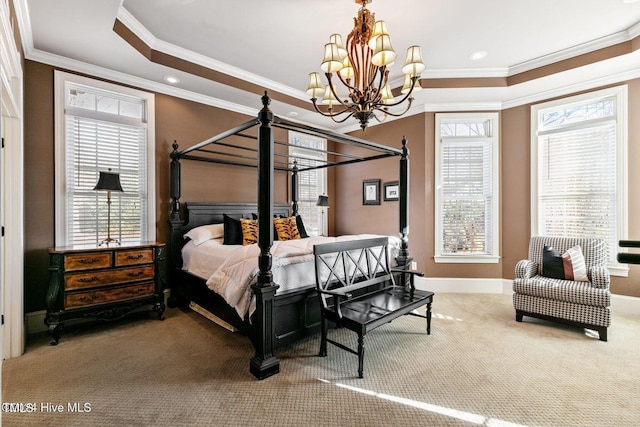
(279, 317)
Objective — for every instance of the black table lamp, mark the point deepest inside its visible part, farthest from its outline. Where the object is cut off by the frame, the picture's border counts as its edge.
(323, 202)
(109, 181)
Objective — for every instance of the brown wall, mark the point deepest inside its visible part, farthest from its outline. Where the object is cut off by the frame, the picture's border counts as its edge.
(189, 123)
(39, 181)
(352, 217)
(176, 119)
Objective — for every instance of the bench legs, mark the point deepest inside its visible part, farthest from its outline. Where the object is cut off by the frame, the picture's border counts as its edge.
(323, 337)
(429, 319)
(360, 356)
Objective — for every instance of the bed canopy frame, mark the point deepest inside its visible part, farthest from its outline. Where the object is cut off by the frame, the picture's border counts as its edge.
(229, 148)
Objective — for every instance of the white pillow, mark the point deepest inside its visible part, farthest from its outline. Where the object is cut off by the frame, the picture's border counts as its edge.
(201, 234)
(575, 267)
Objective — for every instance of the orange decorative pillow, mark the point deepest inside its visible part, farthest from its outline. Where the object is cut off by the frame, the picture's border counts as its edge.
(286, 228)
(249, 231)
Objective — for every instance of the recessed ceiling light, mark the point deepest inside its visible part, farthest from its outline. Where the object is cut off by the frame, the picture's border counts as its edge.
(293, 114)
(171, 79)
(478, 55)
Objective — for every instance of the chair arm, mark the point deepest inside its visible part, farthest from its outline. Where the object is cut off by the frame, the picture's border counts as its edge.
(336, 293)
(526, 269)
(600, 277)
(412, 272)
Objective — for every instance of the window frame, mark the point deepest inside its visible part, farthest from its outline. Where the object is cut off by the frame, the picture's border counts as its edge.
(61, 78)
(323, 171)
(620, 93)
(494, 138)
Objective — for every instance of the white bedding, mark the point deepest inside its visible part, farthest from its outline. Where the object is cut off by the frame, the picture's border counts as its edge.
(230, 270)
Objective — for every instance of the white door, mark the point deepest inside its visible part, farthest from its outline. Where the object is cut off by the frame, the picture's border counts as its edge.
(11, 191)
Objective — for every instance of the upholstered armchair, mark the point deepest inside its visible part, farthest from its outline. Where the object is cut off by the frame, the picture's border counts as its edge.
(582, 298)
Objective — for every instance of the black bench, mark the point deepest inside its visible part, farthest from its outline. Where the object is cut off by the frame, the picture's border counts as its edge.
(358, 290)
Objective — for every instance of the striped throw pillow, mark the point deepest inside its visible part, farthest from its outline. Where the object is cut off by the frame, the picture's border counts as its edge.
(574, 265)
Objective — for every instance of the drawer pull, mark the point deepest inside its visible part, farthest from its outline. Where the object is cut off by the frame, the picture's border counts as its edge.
(89, 260)
(135, 273)
(134, 257)
(135, 291)
(89, 279)
(83, 299)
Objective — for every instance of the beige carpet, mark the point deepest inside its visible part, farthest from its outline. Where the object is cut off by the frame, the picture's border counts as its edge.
(478, 367)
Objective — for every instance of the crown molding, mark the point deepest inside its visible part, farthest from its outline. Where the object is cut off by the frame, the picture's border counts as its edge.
(457, 73)
(573, 51)
(24, 24)
(123, 78)
(571, 89)
(22, 15)
(10, 55)
(190, 56)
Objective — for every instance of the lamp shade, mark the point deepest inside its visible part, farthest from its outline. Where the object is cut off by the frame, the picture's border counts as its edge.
(332, 60)
(328, 97)
(323, 201)
(315, 87)
(413, 65)
(379, 28)
(384, 53)
(108, 181)
(337, 39)
(408, 83)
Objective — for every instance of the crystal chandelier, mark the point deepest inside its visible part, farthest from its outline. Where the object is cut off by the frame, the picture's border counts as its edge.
(363, 68)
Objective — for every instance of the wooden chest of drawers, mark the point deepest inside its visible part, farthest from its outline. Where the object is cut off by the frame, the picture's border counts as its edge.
(103, 283)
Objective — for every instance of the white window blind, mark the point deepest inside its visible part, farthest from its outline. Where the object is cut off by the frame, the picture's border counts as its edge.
(94, 146)
(466, 198)
(304, 150)
(103, 127)
(580, 152)
(466, 188)
(578, 183)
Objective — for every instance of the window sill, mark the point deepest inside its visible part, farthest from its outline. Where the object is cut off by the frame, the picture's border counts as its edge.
(619, 270)
(467, 259)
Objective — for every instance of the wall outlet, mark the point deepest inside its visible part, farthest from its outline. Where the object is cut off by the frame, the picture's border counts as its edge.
(414, 265)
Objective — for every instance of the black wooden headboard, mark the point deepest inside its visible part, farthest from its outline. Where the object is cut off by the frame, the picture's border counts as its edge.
(199, 213)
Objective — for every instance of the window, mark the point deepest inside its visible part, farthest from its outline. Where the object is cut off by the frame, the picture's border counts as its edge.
(309, 151)
(466, 198)
(102, 126)
(579, 182)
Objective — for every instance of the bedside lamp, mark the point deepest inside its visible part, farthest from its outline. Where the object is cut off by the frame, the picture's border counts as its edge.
(323, 202)
(108, 181)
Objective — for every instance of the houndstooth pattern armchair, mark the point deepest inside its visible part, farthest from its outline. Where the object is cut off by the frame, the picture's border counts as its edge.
(582, 304)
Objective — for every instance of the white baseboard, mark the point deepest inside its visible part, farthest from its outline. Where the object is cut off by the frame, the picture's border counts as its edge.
(34, 322)
(624, 304)
(621, 304)
(462, 285)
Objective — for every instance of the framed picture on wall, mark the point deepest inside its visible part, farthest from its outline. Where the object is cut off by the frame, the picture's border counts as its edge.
(391, 191)
(371, 192)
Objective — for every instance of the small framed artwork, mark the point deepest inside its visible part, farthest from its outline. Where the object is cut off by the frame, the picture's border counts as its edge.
(371, 192)
(391, 191)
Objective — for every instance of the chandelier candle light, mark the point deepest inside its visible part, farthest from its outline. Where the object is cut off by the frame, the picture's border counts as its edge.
(363, 68)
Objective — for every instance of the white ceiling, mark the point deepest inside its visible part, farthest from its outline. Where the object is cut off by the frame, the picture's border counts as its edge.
(276, 43)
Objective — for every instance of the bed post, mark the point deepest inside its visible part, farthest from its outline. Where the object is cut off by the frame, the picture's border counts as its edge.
(174, 221)
(264, 363)
(403, 258)
(294, 189)
(175, 183)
